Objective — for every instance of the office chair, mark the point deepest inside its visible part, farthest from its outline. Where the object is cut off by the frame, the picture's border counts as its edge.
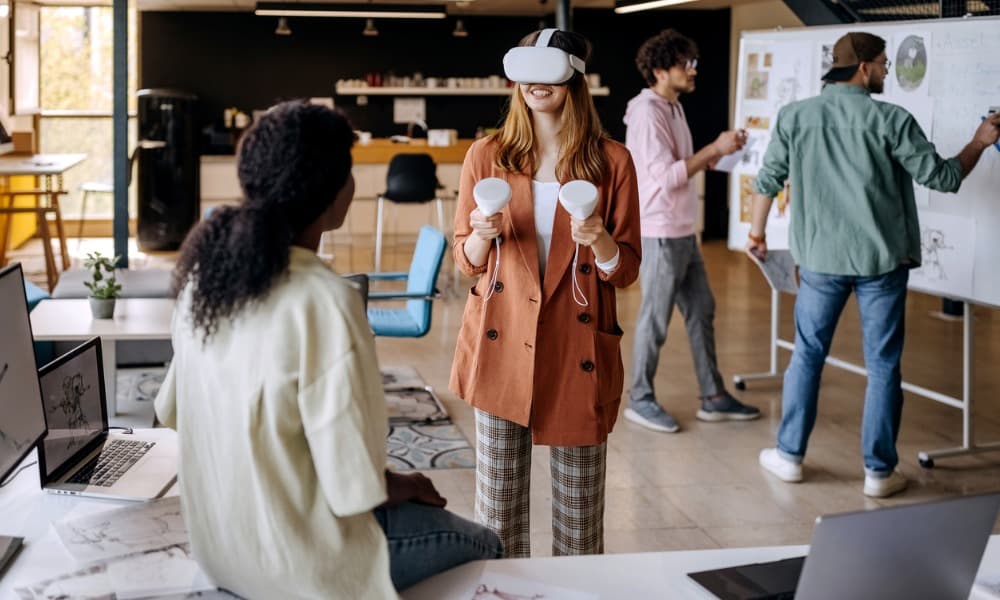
(412, 179)
(415, 319)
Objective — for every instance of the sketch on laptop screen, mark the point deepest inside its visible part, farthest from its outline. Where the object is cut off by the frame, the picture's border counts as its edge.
(21, 421)
(71, 395)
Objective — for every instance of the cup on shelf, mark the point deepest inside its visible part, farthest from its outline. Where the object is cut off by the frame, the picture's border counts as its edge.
(594, 80)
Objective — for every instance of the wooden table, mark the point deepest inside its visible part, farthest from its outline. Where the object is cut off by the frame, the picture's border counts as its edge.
(49, 169)
(61, 320)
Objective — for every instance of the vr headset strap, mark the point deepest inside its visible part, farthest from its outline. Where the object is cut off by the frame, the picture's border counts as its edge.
(543, 42)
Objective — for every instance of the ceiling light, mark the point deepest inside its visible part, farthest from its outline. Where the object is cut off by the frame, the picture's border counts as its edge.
(381, 11)
(630, 6)
(282, 28)
(460, 30)
(369, 29)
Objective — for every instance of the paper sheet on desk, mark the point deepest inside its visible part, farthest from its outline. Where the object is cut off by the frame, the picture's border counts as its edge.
(124, 531)
(779, 270)
(495, 586)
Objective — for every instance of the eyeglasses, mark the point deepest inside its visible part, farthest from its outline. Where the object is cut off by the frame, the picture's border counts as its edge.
(691, 64)
(886, 64)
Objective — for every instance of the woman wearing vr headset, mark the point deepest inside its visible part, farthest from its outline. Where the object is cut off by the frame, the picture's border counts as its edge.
(538, 354)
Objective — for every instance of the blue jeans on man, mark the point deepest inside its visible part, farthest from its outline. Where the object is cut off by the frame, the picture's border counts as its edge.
(882, 304)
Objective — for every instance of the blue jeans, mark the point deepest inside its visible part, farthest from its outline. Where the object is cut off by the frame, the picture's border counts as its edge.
(426, 540)
(882, 304)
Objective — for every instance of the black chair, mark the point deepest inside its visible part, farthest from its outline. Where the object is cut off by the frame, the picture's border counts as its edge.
(412, 179)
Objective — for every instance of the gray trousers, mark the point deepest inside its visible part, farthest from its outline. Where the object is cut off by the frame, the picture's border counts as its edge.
(673, 272)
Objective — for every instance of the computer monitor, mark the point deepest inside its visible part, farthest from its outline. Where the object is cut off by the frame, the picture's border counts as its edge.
(6, 142)
(22, 422)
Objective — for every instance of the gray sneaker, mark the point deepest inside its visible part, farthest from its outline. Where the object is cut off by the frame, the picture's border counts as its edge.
(726, 408)
(649, 414)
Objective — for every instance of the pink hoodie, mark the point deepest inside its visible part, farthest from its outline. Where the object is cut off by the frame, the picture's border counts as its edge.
(659, 139)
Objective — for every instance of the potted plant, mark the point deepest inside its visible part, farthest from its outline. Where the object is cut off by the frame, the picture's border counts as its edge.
(103, 287)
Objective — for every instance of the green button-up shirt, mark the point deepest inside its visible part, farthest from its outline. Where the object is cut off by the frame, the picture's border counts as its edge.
(851, 161)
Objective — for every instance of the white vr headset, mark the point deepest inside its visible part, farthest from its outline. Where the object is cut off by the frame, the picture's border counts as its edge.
(540, 63)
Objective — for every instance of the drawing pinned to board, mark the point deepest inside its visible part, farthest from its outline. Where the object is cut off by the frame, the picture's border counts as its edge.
(781, 201)
(746, 197)
(947, 246)
(826, 58)
(756, 85)
(754, 122)
(753, 61)
(768, 60)
(911, 63)
(786, 92)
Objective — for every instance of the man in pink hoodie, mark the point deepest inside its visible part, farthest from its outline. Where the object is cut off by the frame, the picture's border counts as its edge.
(673, 271)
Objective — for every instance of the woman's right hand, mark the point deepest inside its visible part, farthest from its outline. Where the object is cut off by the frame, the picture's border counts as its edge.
(485, 228)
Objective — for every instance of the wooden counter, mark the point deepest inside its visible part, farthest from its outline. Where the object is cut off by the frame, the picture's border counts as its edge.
(380, 151)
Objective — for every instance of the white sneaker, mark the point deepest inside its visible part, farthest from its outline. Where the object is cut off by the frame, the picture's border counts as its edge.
(780, 467)
(883, 487)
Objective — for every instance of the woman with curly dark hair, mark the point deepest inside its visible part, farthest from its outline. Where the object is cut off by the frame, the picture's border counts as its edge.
(276, 395)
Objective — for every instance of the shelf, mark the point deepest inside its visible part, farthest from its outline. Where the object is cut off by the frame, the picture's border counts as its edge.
(438, 91)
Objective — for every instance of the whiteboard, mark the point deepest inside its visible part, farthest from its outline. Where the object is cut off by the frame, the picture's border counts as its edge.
(947, 74)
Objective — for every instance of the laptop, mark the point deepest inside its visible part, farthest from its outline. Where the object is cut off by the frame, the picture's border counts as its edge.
(928, 550)
(21, 421)
(79, 455)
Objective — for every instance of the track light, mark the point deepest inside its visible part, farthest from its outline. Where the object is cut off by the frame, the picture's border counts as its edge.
(630, 6)
(460, 30)
(379, 11)
(282, 28)
(369, 29)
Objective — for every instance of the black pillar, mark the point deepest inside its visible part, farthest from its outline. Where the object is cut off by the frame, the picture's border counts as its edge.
(120, 123)
(564, 15)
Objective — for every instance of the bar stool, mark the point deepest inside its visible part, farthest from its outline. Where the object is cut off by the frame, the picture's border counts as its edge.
(88, 188)
(412, 179)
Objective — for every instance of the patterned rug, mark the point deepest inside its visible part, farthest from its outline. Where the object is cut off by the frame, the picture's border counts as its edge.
(421, 435)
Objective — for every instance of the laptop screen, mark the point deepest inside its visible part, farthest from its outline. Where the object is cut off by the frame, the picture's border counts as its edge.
(21, 419)
(73, 402)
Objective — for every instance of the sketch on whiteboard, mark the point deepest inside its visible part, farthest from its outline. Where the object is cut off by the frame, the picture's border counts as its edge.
(130, 530)
(932, 242)
(911, 63)
(947, 249)
(756, 85)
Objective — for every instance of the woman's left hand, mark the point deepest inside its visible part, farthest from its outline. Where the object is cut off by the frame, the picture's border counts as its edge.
(589, 231)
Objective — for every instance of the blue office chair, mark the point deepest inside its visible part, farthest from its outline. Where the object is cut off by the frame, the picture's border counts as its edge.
(415, 319)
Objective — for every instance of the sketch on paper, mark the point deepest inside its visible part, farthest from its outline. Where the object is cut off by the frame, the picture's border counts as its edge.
(781, 200)
(130, 530)
(91, 583)
(911, 63)
(756, 85)
(786, 91)
(400, 377)
(947, 248)
(826, 58)
(164, 571)
(495, 586)
(779, 270)
(746, 197)
(753, 150)
(768, 60)
(753, 61)
(755, 122)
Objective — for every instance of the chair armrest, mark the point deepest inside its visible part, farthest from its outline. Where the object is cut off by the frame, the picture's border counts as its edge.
(387, 276)
(400, 296)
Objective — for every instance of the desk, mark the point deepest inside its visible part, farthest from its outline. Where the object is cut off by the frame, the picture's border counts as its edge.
(28, 512)
(135, 319)
(46, 167)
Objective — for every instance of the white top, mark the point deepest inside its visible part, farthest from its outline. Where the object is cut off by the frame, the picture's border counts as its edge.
(282, 425)
(546, 196)
(62, 319)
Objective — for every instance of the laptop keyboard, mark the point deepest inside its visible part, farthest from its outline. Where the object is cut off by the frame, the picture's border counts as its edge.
(108, 466)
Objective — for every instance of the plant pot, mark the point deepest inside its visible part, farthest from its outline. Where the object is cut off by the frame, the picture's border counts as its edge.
(102, 308)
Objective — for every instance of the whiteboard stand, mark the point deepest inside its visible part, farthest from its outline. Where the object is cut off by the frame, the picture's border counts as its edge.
(926, 458)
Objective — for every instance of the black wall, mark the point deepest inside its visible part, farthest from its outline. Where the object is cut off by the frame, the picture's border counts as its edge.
(235, 59)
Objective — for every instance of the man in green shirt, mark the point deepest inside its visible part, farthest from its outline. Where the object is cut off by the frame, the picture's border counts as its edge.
(851, 161)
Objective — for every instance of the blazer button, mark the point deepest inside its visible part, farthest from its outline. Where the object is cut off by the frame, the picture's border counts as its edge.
(585, 269)
(492, 334)
(583, 318)
(498, 287)
(587, 366)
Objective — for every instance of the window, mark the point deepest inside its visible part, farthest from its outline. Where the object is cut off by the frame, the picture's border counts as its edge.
(76, 96)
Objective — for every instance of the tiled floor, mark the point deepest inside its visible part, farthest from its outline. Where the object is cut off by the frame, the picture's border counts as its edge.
(702, 487)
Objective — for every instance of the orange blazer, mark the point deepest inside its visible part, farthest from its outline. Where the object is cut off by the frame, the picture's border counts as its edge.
(530, 354)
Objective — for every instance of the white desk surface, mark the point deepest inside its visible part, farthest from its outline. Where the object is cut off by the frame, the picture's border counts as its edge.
(28, 512)
(39, 164)
(70, 319)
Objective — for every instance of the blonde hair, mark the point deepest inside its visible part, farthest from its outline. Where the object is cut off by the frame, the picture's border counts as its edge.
(580, 155)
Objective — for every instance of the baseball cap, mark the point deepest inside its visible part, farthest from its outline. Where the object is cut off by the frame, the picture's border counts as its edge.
(852, 49)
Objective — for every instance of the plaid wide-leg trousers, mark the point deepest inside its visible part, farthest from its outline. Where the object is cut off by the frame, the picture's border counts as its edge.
(503, 485)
